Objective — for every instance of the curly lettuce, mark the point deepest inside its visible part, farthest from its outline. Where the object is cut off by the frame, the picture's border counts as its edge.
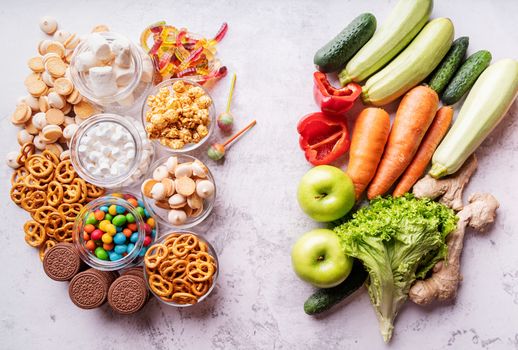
(398, 240)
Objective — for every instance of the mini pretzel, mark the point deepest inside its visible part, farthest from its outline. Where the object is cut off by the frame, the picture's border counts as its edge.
(41, 214)
(176, 270)
(155, 255)
(159, 285)
(39, 166)
(93, 191)
(71, 193)
(34, 233)
(70, 211)
(184, 298)
(18, 175)
(200, 289)
(64, 233)
(54, 193)
(189, 240)
(81, 185)
(200, 271)
(18, 193)
(50, 156)
(35, 200)
(55, 222)
(31, 182)
(49, 243)
(65, 172)
(26, 151)
(181, 285)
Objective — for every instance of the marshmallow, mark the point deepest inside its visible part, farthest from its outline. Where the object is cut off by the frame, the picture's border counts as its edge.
(160, 173)
(102, 80)
(158, 191)
(123, 76)
(205, 188)
(11, 160)
(85, 61)
(177, 217)
(99, 46)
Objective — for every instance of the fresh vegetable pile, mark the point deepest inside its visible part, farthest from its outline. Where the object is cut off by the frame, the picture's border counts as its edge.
(407, 241)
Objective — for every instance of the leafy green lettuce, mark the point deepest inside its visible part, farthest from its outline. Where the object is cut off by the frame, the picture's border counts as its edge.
(398, 240)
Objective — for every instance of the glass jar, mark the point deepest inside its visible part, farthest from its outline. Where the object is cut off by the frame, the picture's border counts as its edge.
(212, 116)
(122, 98)
(161, 214)
(88, 256)
(211, 251)
(81, 156)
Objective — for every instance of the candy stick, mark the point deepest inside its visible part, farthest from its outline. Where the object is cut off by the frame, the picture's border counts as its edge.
(217, 151)
(226, 119)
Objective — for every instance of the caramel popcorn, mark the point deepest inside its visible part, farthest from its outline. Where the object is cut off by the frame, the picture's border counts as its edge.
(178, 115)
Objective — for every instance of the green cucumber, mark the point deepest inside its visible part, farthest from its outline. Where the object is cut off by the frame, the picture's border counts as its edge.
(403, 23)
(336, 53)
(412, 65)
(486, 105)
(324, 299)
(466, 77)
(440, 78)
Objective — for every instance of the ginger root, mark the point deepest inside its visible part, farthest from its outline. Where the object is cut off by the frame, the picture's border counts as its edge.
(450, 188)
(444, 282)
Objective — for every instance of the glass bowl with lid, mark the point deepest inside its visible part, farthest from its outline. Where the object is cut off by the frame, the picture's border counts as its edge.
(174, 276)
(171, 122)
(107, 150)
(134, 77)
(167, 205)
(98, 229)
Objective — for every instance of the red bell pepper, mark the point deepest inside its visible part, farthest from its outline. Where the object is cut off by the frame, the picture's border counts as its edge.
(331, 99)
(323, 137)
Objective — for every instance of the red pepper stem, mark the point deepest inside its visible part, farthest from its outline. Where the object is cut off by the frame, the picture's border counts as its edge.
(232, 84)
(238, 134)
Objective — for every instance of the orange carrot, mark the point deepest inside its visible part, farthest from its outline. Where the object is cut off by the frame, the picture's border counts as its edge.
(413, 117)
(370, 134)
(433, 137)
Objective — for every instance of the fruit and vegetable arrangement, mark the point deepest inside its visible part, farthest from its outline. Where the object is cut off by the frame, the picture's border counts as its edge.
(404, 240)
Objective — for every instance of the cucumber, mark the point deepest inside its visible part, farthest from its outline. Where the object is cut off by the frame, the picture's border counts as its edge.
(324, 299)
(486, 105)
(449, 65)
(412, 65)
(335, 54)
(403, 23)
(466, 77)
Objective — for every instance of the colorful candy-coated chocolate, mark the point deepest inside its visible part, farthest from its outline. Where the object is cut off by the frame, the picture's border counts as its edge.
(147, 241)
(225, 121)
(119, 238)
(134, 237)
(130, 218)
(119, 220)
(106, 238)
(90, 245)
(130, 247)
(96, 235)
(216, 151)
(89, 228)
(114, 256)
(100, 253)
(112, 210)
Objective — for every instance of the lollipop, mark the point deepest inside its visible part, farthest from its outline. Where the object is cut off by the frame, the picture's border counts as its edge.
(217, 151)
(225, 119)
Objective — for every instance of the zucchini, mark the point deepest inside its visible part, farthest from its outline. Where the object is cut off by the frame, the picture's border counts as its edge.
(412, 65)
(486, 105)
(324, 299)
(449, 65)
(466, 77)
(403, 23)
(336, 53)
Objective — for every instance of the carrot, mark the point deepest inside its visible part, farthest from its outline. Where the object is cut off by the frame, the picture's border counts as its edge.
(413, 117)
(433, 137)
(370, 134)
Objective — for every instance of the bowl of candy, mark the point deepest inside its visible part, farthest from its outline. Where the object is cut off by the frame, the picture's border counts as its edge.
(114, 231)
(181, 268)
(179, 115)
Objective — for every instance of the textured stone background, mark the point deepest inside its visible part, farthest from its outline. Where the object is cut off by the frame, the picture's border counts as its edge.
(258, 300)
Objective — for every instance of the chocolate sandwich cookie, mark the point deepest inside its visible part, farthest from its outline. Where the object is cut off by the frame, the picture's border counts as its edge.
(134, 271)
(62, 262)
(89, 289)
(128, 294)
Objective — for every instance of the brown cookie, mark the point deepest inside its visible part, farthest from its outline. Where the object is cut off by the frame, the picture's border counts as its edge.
(128, 294)
(89, 289)
(134, 271)
(62, 262)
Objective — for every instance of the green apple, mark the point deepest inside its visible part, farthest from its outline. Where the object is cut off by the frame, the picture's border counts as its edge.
(326, 193)
(318, 258)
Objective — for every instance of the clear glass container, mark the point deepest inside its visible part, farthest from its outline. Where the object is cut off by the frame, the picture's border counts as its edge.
(211, 251)
(89, 257)
(78, 156)
(212, 116)
(161, 214)
(125, 97)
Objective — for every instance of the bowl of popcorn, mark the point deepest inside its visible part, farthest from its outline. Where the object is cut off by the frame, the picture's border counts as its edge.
(179, 191)
(179, 115)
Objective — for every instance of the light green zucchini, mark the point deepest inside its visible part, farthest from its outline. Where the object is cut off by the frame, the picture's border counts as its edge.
(486, 105)
(412, 65)
(403, 23)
